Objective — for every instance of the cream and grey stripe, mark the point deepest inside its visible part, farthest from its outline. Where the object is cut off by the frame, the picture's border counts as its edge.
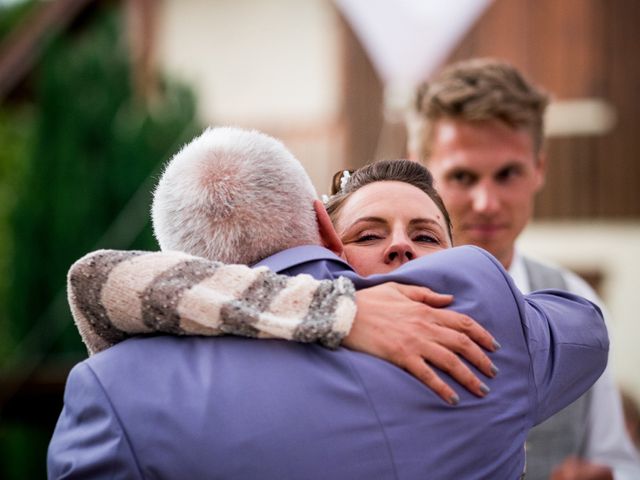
(318, 322)
(240, 316)
(125, 307)
(85, 281)
(161, 298)
(114, 295)
(199, 307)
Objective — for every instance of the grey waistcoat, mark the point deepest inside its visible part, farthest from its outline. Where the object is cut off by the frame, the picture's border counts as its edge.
(562, 435)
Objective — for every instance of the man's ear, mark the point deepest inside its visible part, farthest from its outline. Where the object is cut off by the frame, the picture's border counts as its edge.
(541, 170)
(328, 234)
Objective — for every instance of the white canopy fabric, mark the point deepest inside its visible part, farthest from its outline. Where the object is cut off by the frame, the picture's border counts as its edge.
(407, 40)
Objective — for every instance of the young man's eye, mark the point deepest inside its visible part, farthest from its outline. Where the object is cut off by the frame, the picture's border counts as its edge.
(462, 178)
(508, 174)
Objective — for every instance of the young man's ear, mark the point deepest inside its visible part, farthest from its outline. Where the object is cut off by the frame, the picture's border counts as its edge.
(328, 234)
(541, 170)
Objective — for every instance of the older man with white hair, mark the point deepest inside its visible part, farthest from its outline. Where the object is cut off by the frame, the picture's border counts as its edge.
(169, 407)
(225, 181)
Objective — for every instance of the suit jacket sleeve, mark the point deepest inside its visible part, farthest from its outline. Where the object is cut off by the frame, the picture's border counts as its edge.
(568, 345)
(558, 339)
(114, 295)
(566, 338)
(88, 441)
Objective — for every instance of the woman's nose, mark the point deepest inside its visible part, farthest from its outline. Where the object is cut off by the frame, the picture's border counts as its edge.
(400, 251)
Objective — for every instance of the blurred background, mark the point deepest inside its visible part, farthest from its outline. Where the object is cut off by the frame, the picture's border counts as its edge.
(95, 95)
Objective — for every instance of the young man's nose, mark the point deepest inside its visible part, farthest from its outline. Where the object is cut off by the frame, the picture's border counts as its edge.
(485, 199)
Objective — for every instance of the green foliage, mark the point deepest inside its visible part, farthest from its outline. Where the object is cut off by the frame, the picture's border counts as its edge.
(23, 449)
(95, 143)
(76, 175)
(15, 130)
(12, 13)
(16, 127)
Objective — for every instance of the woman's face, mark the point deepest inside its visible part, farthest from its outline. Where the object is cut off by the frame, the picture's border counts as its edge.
(385, 224)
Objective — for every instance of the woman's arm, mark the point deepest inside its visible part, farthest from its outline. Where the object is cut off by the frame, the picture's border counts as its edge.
(117, 294)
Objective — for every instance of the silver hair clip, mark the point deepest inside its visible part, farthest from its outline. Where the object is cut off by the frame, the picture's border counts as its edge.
(346, 175)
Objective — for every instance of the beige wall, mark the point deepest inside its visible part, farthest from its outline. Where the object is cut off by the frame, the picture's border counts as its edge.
(263, 61)
(271, 65)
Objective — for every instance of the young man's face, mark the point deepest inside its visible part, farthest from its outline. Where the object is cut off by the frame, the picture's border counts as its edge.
(487, 174)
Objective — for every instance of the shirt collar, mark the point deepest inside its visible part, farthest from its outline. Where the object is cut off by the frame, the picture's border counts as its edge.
(518, 272)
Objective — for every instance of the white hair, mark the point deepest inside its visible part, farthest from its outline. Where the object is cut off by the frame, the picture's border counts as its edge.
(235, 196)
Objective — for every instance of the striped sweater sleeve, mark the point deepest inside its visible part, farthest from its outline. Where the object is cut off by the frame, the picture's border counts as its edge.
(115, 294)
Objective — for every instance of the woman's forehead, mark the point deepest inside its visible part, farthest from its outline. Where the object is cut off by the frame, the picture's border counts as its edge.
(388, 199)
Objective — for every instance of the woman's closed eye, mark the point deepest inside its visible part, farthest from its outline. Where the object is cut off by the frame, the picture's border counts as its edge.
(426, 238)
(368, 237)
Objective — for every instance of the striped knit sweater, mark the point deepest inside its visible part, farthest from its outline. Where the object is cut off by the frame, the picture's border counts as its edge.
(114, 295)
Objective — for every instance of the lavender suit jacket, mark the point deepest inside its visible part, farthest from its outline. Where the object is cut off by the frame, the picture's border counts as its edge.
(233, 408)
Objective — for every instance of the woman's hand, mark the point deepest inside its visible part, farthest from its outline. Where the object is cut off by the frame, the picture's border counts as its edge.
(407, 326)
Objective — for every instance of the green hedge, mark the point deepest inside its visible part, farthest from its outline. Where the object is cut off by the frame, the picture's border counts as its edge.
(79, 170)
(93, 147)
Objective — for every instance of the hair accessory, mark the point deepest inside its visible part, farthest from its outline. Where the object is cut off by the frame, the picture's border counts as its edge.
(346, 175)
(339, 181)
(324, 198)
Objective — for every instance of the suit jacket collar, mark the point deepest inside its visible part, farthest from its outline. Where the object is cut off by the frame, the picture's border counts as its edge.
(298, 256)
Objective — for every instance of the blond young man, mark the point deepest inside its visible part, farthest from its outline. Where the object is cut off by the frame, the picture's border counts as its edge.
(478, 126)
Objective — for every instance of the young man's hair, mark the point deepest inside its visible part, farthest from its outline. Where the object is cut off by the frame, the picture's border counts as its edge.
(235, 196)
(477, 90)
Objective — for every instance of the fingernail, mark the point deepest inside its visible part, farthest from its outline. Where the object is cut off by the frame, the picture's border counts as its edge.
(484, 389)
(496, 344)
(494, 369)
(454, 399)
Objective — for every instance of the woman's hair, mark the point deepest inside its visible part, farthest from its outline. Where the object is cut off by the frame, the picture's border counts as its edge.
(405, 171)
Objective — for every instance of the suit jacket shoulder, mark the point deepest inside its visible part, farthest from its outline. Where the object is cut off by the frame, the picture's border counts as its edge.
(89, 440)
